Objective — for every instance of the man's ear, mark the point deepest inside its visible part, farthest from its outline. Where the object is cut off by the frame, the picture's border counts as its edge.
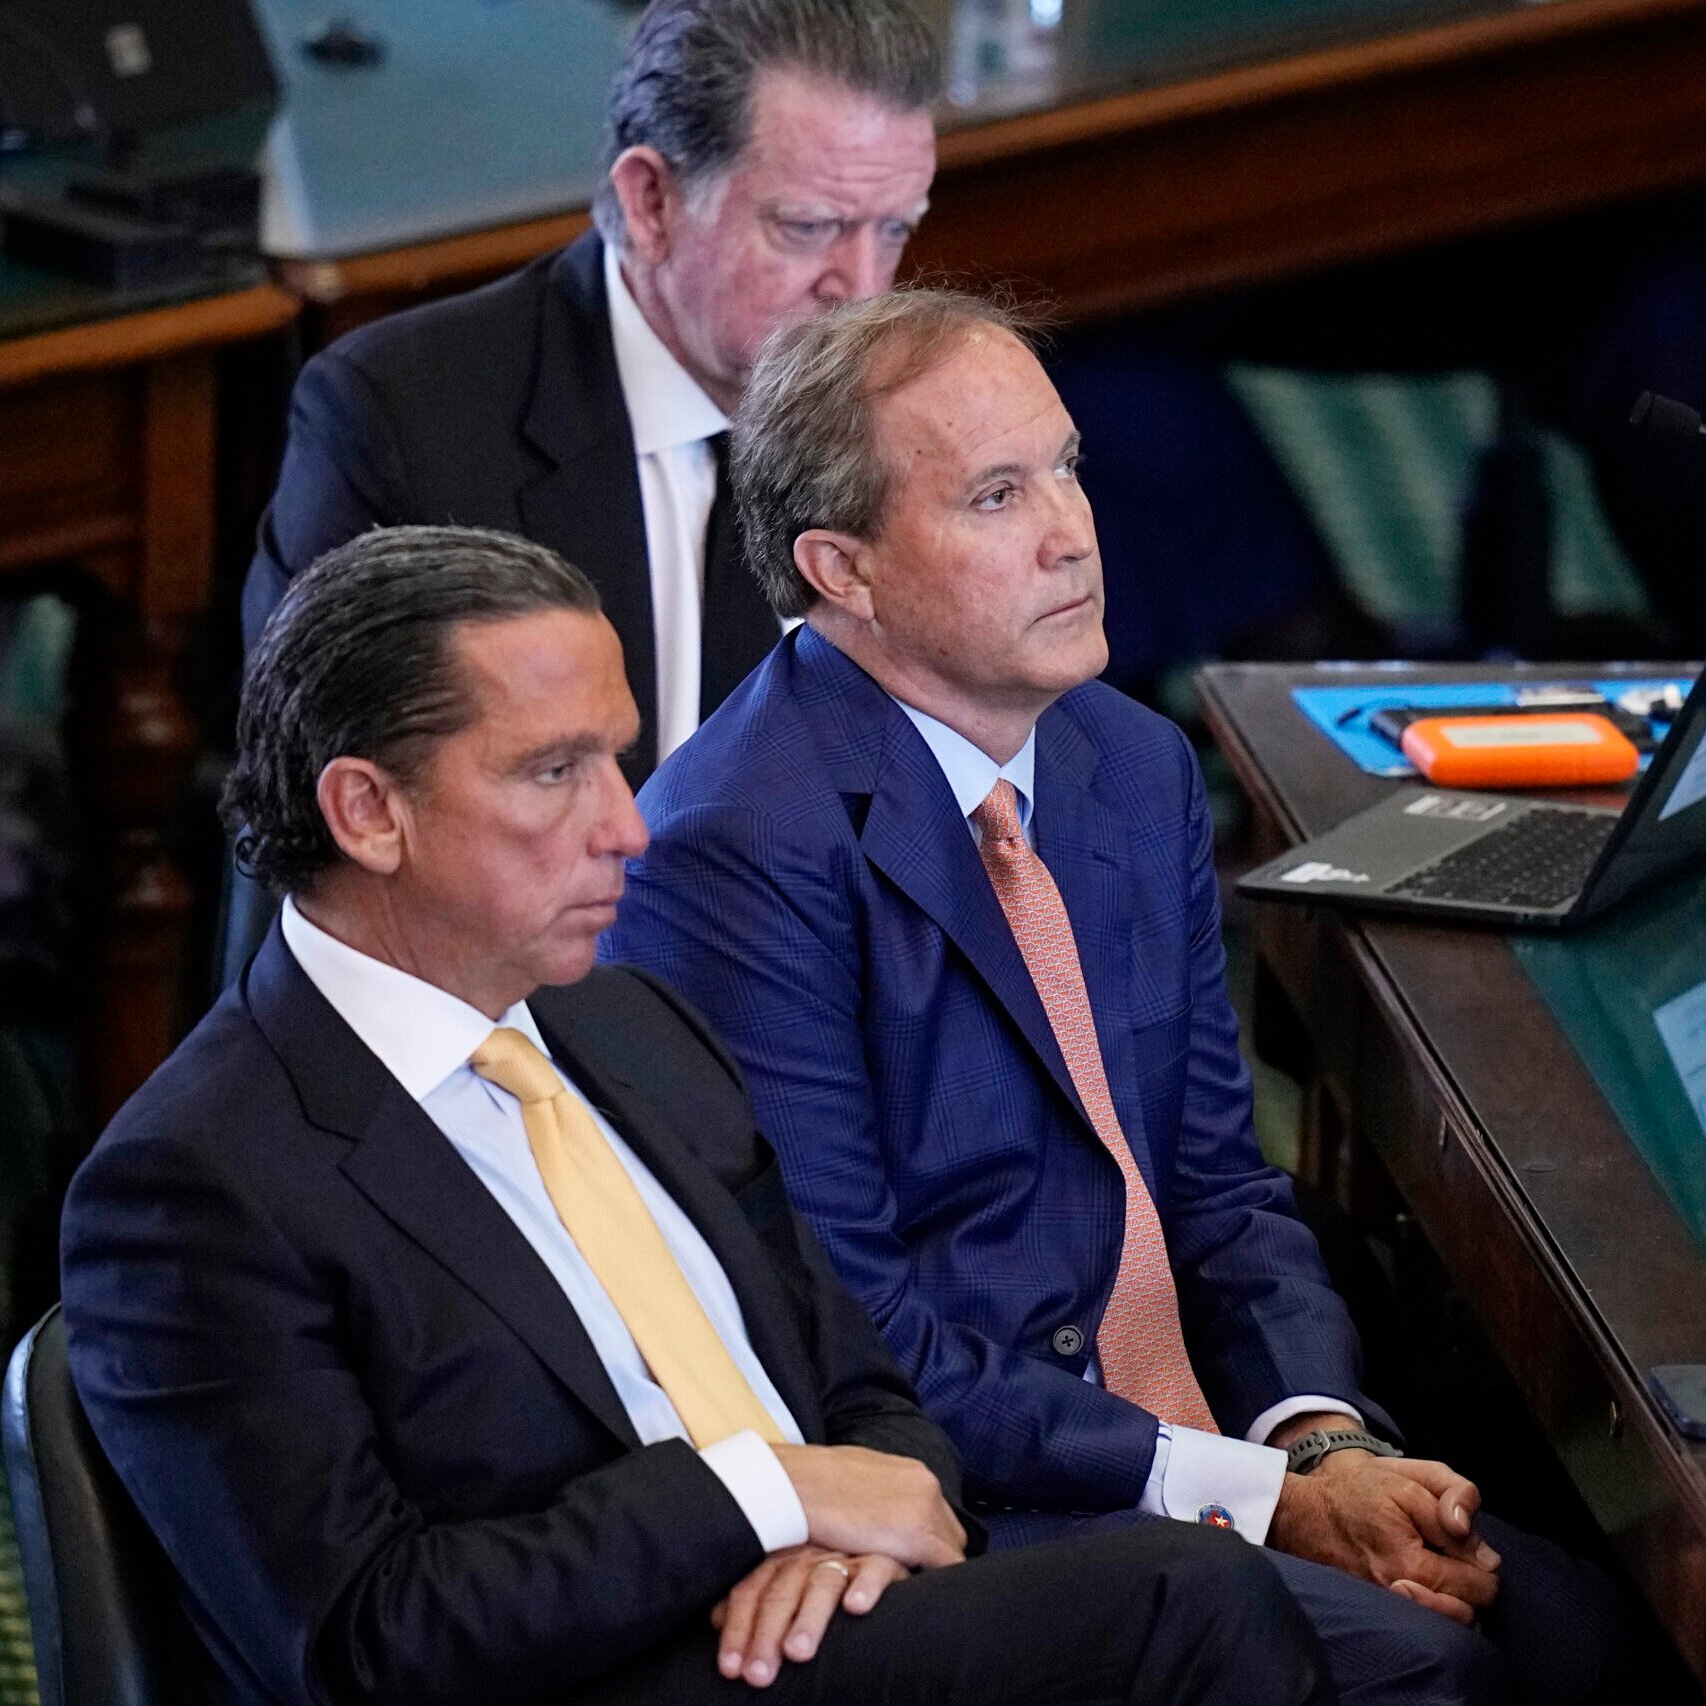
(366, 813)
(833, 565)
(645, 186)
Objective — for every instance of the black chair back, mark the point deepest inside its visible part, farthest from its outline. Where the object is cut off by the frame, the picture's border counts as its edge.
(107, 1626)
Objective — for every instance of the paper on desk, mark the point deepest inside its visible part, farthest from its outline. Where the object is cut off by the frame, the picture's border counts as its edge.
(1682, 1025)
(1689, 786)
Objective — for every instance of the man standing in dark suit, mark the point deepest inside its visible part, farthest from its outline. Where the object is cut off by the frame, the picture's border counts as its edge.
(952, 904)
(438, 1303)
(769, 157)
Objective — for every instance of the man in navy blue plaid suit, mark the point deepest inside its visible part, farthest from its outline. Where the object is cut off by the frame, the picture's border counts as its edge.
(908, 483)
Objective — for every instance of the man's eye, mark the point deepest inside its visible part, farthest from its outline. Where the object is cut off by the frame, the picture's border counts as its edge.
(895, 233)
(996, 498)
(553, 775)
(806, 233)
(1070, 466)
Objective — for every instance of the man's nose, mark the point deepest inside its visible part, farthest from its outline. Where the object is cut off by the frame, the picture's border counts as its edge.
(855, 267)
(621, 828)
(1071, 532)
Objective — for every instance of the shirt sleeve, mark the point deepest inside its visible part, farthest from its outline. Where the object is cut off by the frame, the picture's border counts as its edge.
(759, 1484)
(1196, 1472)
(1275, 1414)
(1204, 1477)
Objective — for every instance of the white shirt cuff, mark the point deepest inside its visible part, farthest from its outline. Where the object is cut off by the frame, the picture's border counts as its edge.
(1262, 1428)
(1203, 1477)
(758, 1483)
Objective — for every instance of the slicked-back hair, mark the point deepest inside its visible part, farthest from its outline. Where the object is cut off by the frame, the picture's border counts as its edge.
(357, 661)
(803, 443)
(685, 85)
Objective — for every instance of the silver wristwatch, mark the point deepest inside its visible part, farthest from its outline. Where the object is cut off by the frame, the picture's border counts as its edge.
(1303, 1454)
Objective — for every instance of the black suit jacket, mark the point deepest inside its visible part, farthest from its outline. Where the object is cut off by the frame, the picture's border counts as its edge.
(499, 408)
(366, 1425)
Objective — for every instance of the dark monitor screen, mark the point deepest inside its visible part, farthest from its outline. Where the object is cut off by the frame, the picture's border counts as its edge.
(1663, 828)
(134, 67)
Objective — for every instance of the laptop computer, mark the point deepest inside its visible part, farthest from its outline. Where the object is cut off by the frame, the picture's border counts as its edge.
(1506, 859)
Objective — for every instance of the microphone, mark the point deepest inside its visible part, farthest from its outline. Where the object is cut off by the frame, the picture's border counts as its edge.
(1666, 419)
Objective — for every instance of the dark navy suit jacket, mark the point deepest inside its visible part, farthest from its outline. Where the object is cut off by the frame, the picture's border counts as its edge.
(812, 886)
(366, 1425)
(501, 407)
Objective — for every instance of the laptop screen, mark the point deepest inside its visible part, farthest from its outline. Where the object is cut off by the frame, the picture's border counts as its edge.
(1664, 826)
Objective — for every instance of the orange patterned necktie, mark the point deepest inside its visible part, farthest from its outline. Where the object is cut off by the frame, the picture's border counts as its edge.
(1140, 1344)
(601, 1208)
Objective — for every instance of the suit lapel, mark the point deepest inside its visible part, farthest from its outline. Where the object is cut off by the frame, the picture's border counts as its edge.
(765, 1308)
(1087, 851)
(412, 1174)
(914, 834)
(585, 504)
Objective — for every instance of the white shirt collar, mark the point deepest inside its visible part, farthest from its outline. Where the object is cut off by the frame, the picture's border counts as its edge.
(666, 407)
(971, 772)
(420, 1033)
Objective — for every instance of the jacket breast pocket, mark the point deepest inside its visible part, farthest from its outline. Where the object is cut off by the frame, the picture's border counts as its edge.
(1157, 1047)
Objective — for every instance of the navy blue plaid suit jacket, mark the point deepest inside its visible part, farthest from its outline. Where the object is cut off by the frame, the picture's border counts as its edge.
(813, 887)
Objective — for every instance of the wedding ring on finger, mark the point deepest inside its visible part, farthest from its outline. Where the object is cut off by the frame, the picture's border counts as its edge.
(836, 1565)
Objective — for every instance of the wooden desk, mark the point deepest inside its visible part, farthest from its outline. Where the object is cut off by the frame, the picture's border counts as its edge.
(1244, 175)
(107, 492)
(1431, 1044)
(1270, 170)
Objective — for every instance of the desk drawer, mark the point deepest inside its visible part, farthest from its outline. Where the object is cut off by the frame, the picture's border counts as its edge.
(70, 467)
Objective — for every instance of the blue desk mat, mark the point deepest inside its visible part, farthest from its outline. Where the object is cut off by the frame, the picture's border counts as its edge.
(1342, 713)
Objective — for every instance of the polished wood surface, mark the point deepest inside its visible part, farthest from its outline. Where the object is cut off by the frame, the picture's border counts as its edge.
(107, 494)
(1271, 170)
(151, 335)
(340, 295)
(1431, 1045)
(1250, 174)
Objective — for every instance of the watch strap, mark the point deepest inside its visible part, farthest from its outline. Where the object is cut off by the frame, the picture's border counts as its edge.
(1304, 1453)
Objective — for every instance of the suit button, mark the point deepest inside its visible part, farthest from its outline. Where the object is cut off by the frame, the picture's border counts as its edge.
(1067, 1341)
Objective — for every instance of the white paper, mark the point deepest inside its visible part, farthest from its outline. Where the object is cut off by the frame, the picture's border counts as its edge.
(1689, 786)
(1682, 1025)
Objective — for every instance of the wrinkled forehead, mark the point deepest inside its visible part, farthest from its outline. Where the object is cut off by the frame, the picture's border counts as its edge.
(808, 133)
(555, 671)
(960, 402)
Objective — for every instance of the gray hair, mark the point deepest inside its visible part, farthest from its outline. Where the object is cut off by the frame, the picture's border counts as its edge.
(685, 86)
(803, 445)
(357, 662)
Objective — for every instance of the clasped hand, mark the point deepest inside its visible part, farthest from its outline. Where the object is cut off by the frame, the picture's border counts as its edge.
(871, 1518)
(1402, 1523)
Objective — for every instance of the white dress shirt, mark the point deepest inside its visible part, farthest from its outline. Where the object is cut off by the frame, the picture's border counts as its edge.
(672, 419)
(1191, 1469)
(423, 1036)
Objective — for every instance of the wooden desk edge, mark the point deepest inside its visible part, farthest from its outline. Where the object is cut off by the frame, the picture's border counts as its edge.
(434, 263)
(1676, 1460)
(440, 263)
(1420, 50)
(129, 339)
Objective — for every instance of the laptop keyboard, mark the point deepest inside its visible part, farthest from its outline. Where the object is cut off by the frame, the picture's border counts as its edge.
(1539, 860)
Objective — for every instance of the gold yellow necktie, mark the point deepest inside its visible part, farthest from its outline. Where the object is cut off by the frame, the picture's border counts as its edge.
(603, 1212)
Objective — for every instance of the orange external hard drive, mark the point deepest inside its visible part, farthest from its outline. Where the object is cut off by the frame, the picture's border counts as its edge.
(1558, 751)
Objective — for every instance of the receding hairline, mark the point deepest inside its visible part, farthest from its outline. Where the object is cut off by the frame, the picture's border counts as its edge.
(910, 354)
(465, 629)
(808, 76)
(919, 366)
(475, 676)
